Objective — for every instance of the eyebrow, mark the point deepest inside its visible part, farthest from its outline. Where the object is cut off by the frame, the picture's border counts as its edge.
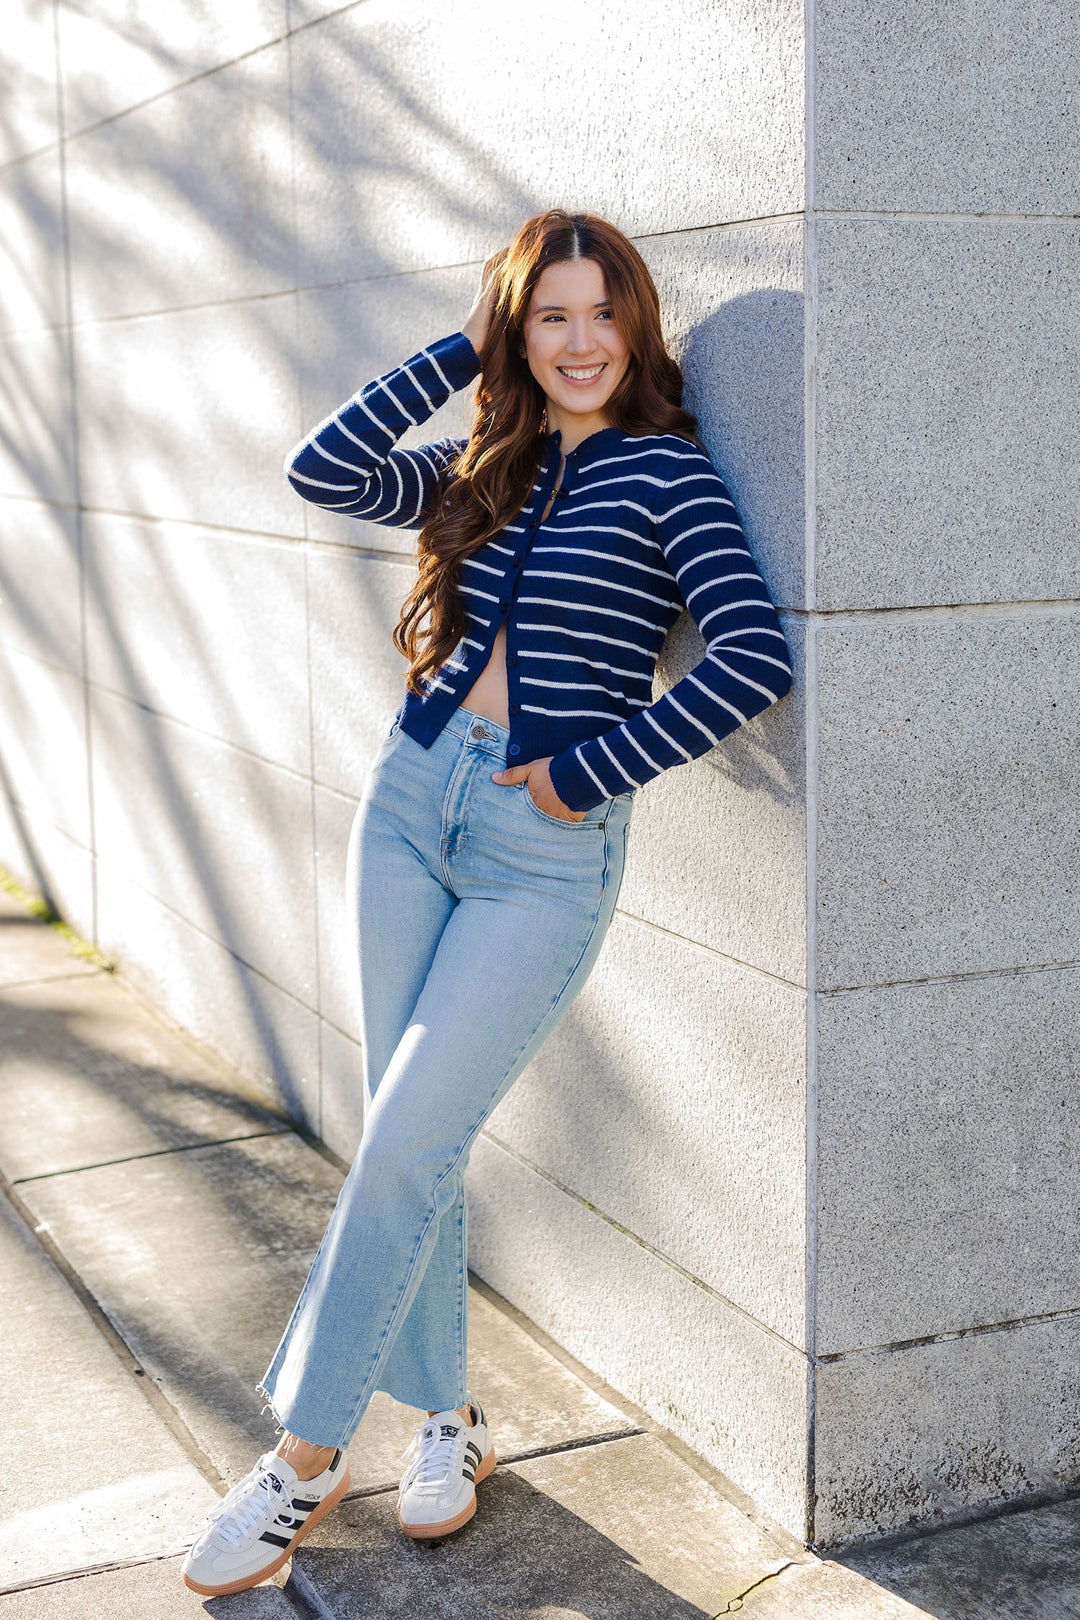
(540, 308)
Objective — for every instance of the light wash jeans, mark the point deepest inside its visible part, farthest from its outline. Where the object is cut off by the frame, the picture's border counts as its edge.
(477, 918)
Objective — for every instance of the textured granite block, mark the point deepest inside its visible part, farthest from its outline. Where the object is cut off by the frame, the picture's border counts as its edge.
(947, 437)
(732, 1390)
(220, 837)
(208, 628)
(28, 59)
(187, 199)
(37, 456)
(732, 307)
(395, 171)
(338, 979)
(341, 1118)
(357, 674)
(947, 1148)
(117, 53)
(672, 1098)
(942, 108)
(930, 1433)
(39, 593)
(32, 291)
(351, 334)
(43, 743)
(947, 833)
(189, 415)
(719, 845)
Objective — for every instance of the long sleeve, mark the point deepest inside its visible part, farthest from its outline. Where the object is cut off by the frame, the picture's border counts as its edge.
(745, 668)
(348, 463)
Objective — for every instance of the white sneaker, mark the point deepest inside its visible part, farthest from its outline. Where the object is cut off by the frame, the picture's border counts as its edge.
(447, 1459)
(260, 1523)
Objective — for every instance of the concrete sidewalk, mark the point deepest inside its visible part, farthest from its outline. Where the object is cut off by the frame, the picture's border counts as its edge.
(159, 1221)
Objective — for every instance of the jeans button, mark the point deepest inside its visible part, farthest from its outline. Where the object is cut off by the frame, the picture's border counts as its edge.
(478, 731)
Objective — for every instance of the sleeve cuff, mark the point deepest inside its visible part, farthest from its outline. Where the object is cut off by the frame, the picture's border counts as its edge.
(573, 784)
(457, 358)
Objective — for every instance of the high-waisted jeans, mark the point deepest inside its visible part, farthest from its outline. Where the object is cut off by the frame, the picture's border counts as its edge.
(476, 918)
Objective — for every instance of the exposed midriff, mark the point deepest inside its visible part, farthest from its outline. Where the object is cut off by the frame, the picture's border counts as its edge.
(488, 695)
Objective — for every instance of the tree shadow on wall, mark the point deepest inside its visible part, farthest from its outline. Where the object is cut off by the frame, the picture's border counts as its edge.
(231, 260)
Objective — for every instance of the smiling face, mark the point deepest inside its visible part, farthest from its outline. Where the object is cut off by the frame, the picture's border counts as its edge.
(574, 349)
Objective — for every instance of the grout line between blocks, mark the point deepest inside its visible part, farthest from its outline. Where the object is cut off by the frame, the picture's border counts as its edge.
(649, 1248)
(813, 619)
(76, 467)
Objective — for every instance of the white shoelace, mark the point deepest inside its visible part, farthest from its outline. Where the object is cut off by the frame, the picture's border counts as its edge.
(434, 1455)
(248, 1503)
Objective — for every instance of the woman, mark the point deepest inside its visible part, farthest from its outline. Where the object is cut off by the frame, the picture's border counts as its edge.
(558, 545)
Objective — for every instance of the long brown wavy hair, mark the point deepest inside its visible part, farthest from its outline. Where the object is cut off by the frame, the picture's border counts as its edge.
(488, 483)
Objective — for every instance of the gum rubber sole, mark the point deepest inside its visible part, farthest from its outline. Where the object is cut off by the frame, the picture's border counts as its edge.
(421, 1532)
(313, 1518)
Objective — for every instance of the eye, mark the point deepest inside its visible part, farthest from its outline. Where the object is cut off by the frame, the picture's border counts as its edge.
(553, 317)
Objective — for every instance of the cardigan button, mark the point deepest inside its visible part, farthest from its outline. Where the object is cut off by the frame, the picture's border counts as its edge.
(512, 659)
(504, 607)
(515, 708)
(514, 748)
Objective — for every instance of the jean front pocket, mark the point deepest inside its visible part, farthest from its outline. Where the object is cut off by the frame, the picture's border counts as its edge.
(593, 818)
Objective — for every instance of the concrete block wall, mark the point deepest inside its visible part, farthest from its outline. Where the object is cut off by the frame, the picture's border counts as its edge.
(943, 482)
(794, 1172)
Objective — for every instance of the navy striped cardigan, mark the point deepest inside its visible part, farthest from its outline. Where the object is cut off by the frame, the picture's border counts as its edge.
(644, 525)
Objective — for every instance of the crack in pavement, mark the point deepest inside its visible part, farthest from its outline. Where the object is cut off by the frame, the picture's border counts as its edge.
(734, 1604)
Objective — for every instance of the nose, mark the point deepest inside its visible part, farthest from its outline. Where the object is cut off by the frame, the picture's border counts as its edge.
(578, 337)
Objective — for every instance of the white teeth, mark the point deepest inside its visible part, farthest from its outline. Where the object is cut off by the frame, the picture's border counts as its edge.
(582, 372)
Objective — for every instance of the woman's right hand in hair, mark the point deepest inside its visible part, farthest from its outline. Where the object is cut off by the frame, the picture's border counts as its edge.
(475, 327)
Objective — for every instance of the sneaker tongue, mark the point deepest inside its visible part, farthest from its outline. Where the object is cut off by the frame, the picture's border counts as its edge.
(283, 1471)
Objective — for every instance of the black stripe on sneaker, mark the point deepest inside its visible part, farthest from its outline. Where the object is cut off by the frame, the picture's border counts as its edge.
(467, 1472)
(278, 1541)
(335, 1459)
(476, 1452)
(305, 1507)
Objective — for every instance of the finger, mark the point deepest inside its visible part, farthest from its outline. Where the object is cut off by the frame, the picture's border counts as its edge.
(511, 773)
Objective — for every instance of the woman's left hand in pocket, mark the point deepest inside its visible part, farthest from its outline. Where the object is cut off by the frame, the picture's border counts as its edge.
(538, 782)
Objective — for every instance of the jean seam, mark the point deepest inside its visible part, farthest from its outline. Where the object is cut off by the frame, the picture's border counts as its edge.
(463, 1302)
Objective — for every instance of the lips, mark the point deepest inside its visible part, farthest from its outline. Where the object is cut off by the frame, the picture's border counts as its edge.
(581, 375)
